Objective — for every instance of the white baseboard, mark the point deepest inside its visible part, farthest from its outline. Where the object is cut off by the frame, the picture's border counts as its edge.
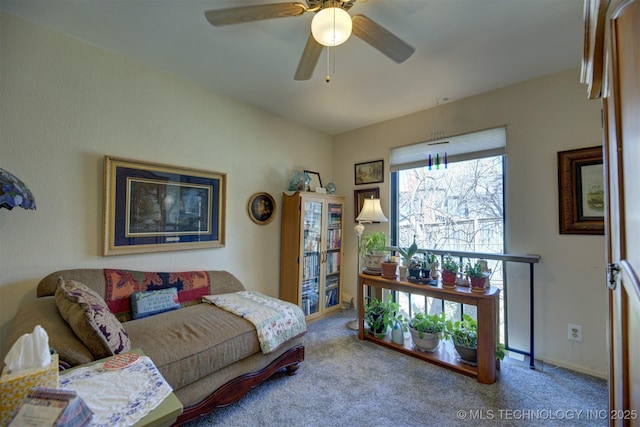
(573, 367)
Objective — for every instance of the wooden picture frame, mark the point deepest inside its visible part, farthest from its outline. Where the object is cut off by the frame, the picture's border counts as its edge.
(151, 207)
(369, 172)
(581, 191)
(261, 208)
(360, 195)
(314, 180)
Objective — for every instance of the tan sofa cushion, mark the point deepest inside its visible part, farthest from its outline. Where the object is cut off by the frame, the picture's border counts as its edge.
(193, 342)
(89, 317)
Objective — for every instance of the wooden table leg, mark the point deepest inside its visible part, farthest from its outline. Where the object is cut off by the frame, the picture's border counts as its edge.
(486, 341)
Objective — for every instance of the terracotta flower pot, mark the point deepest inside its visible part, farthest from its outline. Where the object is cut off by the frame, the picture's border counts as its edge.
(448, 277)
(389, 270)
(478, 284)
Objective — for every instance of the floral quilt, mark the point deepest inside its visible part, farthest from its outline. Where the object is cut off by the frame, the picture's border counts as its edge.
(276, 321)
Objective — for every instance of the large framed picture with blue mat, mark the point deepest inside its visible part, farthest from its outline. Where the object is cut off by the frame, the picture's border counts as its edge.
(151, 207)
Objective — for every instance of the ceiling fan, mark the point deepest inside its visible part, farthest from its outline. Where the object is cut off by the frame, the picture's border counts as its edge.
(332, 25)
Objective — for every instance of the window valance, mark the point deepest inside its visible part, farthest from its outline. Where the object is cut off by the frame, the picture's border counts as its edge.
(473, 145)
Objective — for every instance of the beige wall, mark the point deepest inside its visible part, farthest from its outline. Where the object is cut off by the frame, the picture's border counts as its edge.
(65, 104)
(542, 116)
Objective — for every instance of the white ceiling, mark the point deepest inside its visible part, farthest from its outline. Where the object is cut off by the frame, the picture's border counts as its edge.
(463, 48)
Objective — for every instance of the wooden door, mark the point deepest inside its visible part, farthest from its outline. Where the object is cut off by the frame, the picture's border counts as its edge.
(612, 48)
(623, 131)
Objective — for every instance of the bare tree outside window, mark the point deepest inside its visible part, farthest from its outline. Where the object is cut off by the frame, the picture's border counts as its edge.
(458, 208)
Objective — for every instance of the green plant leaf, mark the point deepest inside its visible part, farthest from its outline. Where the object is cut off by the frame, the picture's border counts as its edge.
(409, 252)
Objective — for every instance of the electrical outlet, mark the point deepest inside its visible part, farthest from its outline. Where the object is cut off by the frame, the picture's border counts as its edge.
(574, 333)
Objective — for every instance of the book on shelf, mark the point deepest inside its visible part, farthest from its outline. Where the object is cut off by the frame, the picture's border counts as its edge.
(331, 297)
(309, 306)
(332, 282)
(335, 216)
(333, 238)
(310, 265)
(333, 263)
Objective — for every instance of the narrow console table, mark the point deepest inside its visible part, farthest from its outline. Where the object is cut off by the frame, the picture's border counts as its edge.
(445, 356)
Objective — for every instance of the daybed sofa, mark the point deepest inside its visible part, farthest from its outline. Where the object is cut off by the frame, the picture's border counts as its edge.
(209, 356)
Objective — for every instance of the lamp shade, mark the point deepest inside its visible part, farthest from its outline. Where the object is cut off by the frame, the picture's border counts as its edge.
(14, 192)
(331, 26)
(371, 212)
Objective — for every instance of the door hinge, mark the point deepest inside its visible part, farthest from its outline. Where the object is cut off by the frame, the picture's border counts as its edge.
(613, 270)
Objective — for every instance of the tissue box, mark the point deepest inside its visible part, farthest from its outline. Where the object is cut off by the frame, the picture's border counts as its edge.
(14, 388)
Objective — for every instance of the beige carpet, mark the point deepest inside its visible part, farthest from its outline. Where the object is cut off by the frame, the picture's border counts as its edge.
(348, 382)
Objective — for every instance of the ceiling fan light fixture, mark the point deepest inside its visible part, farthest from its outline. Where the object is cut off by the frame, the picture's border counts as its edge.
(331, 26)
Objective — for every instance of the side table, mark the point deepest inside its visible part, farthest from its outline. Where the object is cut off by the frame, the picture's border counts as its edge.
(165, 414)
(487, 304)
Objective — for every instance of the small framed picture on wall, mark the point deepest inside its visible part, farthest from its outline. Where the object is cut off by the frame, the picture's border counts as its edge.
(314, 180)
(581, 191)
(369, 172)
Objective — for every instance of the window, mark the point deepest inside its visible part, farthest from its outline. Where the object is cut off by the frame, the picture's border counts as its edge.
(449, 195)
(458, 208)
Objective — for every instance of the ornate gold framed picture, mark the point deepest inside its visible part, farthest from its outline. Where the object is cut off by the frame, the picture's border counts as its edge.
(262, 208)
(581, 191)
(151, 207)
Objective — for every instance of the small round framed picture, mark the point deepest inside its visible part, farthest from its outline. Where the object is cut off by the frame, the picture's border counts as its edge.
(262, 208)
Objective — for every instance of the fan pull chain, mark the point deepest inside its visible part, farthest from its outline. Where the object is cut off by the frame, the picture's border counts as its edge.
(328, 78)
(331, 55)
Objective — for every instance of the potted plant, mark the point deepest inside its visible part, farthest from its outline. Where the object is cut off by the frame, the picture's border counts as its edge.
(464, 334)
(374, 247)
(427, 330)
(380, 316)
(501, 351)
(430, 266)
(408, 253)
(449, 271)
(415, 267)
(389, 267)
(476, 276)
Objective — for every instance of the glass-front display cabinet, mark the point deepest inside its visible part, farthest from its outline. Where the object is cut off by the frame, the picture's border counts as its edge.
(311, 252)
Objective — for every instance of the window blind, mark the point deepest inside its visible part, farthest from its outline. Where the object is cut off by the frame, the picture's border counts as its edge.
(473, 145)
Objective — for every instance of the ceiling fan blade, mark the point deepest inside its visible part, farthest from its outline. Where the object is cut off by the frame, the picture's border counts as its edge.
(381, 39)
(238, 15)
(310, 56)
